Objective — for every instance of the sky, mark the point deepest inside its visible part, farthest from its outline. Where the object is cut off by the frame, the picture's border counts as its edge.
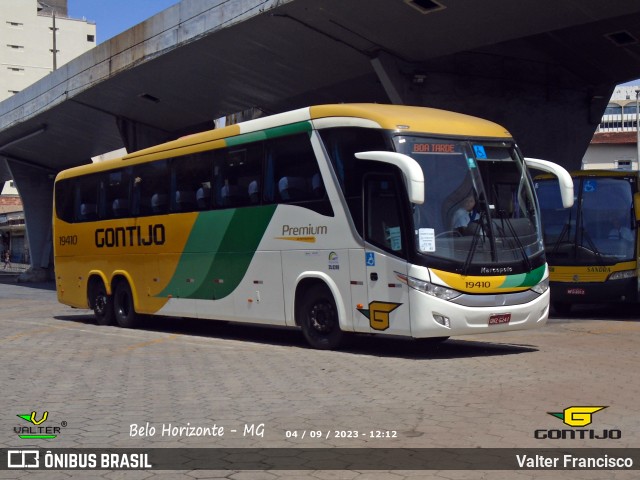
(115, 16)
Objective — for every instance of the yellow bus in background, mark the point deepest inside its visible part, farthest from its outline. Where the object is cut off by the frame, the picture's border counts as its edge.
(592, 248)
(332, 219)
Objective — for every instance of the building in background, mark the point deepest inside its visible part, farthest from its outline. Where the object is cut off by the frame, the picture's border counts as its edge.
(27, 50)
(614, 144)
(13, 234)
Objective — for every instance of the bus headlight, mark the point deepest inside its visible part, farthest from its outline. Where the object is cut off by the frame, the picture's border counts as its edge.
(429, 288)
(623, 274)
(542, 287)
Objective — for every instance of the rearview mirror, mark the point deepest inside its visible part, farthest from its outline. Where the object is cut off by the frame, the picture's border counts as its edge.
(564, 178)
(411, 171)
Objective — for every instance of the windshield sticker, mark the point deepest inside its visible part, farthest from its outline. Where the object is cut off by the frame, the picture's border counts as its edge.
(394, 238)
(471, 162)
(480, 152)
(427, 239)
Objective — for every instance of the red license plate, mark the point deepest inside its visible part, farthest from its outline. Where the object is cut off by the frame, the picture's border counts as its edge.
(576, 291)
(498, 318)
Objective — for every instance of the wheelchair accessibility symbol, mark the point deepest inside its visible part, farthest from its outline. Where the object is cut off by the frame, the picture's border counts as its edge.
(370, 259)
(590, 186)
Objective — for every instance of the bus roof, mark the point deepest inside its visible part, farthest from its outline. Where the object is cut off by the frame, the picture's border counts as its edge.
(400, 118)
(592, 173)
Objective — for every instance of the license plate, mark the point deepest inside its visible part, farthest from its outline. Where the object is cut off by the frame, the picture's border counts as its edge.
(499, 318)
(576, 291)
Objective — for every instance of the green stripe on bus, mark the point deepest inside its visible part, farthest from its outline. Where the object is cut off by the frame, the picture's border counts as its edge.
(292, 129)
(524, 279)
(218, 252)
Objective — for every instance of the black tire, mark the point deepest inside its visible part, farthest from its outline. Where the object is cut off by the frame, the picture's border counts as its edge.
(101, 303)
(123, 308)
(562, 308)
(318, 317)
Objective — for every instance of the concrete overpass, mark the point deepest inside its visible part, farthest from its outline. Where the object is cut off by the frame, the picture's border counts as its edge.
(543, 68)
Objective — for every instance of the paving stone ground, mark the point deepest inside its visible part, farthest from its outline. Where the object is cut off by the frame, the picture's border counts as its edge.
(489, 391)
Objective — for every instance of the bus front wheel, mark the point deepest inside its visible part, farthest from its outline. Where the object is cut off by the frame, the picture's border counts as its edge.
(102, 304)
(124, 311)
(319, 319)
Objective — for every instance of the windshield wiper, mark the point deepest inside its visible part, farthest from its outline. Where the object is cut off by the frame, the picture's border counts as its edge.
(591, 245)
(483, 228)
(507, 220)
(565, 231)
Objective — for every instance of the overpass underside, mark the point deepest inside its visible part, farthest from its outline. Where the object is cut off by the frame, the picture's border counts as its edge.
(543, 69)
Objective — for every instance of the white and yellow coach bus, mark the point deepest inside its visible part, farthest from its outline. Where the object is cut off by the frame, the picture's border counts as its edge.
(333, 218)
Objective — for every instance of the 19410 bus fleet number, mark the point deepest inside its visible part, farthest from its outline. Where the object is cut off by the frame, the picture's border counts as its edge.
(68, 240)
(477, 284)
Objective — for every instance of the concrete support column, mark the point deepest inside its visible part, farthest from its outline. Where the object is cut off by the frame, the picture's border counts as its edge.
(137, 136)
(36, 190)
(394, 84)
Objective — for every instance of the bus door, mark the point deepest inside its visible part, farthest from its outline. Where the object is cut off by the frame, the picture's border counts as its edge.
(385, 248)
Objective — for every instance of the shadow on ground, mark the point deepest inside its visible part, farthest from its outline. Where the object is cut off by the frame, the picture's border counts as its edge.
(373, 345)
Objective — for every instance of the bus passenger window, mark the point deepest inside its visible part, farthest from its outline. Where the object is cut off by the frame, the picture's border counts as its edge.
(237, 173)
(150, 187)
(86, 198)
(293, 176)
(88, 211)
(159, 203)
(203, 197)
(254, 192)
(231, 194)
(64, 200)
(189, 175)
(293, 188)
(185, 200)
(116, 194)
(317, 187)
(120, 207)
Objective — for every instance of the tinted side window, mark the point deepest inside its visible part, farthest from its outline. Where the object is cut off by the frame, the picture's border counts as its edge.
(151, 188)
(292, 175)
(384, 213)
(191, 182)
(86, 196)
(116, 203)
(64, 200)
(342, 144)
(237, 172)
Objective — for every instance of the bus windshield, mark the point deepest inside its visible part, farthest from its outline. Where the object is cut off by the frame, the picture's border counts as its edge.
(479, 210)
(599, 229)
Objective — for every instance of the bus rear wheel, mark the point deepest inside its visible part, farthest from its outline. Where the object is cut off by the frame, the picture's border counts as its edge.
(102, 304)
(319, 319)
(124, 310)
